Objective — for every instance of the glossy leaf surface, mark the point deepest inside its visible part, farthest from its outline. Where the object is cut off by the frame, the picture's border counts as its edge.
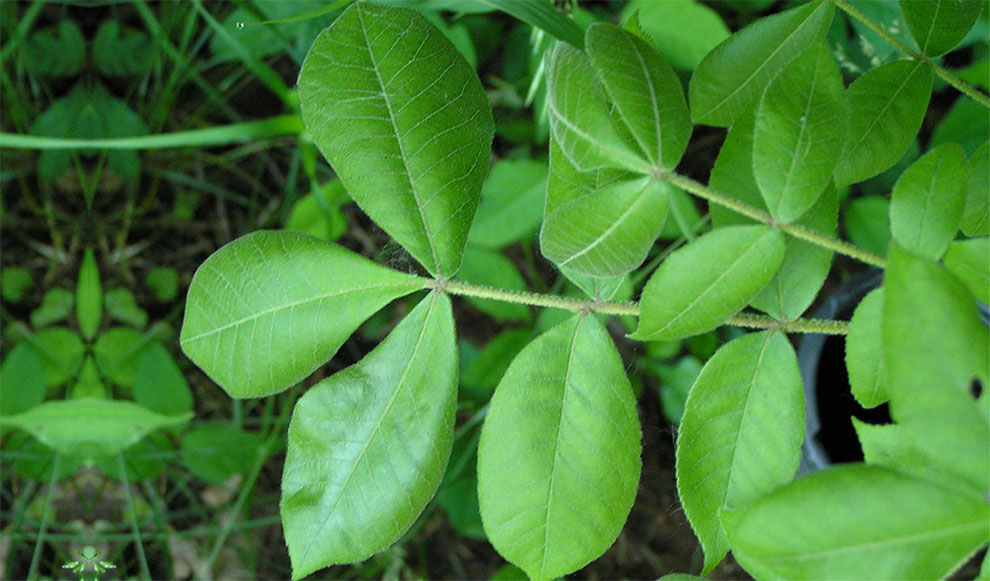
(602, 222)
(267, 309)
(579, 116)
(558, 462)
(737, 71)
(644, 90)
(928, 200)
(89, 428)
(704, 283)
(886, 107)
(864, 351)
(404, 122)
(858, 522)
(799, 133)
(940, 25)
(368, 446)
(740, 436)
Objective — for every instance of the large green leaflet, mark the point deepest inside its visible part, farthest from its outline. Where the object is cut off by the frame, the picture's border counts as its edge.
(976, 216)
(22, 375)
(644, 90)
(558, 462)
(882, 129)
(267, 309)
(934, 342)
(741, 433)
(579, 116)
(940, 25)
(858, 522)
(368, 446)
(927, 203)
(805, 265)
(704, 283)
(864, 351)
(800, 129)
(602, 222)
(739, 69)
(90, 428)
(405, 123)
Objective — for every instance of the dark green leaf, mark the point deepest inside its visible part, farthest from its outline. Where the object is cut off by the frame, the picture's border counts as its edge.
(737, 71)
(484, 373)
(740, 437)
(215, 453)
(368, 446)
(886, 107)
(159, 384)
(89, 296)
(940, 25)
(15, 283)
(23, 377)
(704, 283)
(58, 50)
(858, 522)
(558, 463)
(928, 201)
(867, 222)
(267, 309)
(966, 123)
(405, 123)
(512, 202)
(121, 51)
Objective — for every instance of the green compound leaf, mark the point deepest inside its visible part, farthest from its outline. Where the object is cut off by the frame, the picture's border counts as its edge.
(928, 201)
(579, 116)
(858, 522)
(368, 446)
(737, 71)
(602, 222)
(683, 30)
(969, 260)
(558, 462)
(704, 283)
(89, 296)
(940, 25)
(267, 309)
(799, 133)
(741, 433)
(864, 351)
(405, 123)
(976, 216)
(512, 202)
(645, 91)
(886, 107)
(90, 428)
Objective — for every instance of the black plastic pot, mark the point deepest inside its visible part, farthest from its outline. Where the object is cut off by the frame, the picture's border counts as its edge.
(829, 436)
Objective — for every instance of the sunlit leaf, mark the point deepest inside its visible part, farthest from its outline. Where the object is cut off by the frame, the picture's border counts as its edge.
(267, 309)
(558, 463)
(740, 436)
(405, 123)
(368, 446)
(704, 283)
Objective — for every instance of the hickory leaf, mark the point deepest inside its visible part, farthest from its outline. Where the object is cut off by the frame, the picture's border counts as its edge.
(737, 71)
(886, 107)
(740, 436)
(940, 25)
(602, 222)
(579, 116)
(645, 91)
(858, 522)
(404, 122)
(704, 283)
(267, 309)
(558, 462)
(368, 446)
(928, 200)
(799, 133)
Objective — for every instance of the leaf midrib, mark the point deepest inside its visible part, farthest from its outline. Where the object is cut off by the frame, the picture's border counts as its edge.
(398, 140)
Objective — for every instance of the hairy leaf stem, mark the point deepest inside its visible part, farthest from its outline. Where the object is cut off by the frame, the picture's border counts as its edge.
(938, 69)
(807, 234)
(826, 327)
